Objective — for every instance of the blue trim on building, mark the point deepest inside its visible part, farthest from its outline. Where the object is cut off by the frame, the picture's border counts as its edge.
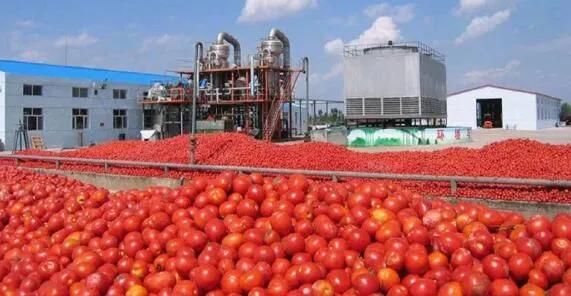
(73, 72)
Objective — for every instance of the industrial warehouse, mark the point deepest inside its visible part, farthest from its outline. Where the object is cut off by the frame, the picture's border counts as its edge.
(262, 147)
(503, 108)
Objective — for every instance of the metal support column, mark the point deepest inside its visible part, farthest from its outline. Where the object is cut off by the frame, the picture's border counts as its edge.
(195, 93)
(306, 71)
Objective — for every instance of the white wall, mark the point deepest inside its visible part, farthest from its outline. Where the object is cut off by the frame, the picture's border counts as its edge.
(547, 111)
(518, 108)
(57, 104)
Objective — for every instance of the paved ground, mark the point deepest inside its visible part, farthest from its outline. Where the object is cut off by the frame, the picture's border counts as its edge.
(481, 137)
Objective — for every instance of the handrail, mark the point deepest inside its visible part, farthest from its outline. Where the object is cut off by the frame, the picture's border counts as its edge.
(453, 180)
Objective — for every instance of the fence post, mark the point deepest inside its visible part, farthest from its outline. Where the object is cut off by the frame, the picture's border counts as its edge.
(453, 186)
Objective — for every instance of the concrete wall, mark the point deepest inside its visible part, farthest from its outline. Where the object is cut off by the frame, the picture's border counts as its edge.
(547, 111)
(518, 108)
(57, 104)
(382, 74)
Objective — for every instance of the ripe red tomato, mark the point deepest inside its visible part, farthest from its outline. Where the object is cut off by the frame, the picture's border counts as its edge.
(495, 267)
(416, 261)
(475, 284)
(206, 276)
(423, 287)
(251, 279)
(365, 284)
(520, 265)
(501, 287)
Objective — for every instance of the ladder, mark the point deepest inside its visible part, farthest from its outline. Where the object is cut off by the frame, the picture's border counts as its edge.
(276, 106)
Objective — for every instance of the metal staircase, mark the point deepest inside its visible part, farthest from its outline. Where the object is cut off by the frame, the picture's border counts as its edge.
(274, 115)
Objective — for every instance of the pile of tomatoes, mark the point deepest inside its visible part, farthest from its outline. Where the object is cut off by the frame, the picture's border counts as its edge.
(253, 235)
(511, 158)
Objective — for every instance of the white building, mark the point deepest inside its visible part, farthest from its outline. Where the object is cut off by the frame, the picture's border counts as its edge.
(506, 107)
(71, 106)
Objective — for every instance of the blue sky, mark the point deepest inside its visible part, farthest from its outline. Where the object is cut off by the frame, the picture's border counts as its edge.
(516, 43)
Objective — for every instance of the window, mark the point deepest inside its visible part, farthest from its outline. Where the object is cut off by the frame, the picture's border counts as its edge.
(80, 119)
(119, 93)
(119, 118)
(32, 90)
(79, 92)
(33, 119)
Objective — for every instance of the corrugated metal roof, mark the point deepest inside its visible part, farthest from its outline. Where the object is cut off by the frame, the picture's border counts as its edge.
(73, 72)
(504, 88)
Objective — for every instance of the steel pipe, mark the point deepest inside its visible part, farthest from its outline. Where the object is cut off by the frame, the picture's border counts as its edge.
(276, 33)
(317, 173)
(235, 43)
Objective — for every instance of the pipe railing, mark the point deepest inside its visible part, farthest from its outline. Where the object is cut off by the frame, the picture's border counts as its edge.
(453, 180)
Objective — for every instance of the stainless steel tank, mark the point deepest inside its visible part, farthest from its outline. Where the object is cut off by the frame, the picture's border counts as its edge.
(271, 49)
(218, 55)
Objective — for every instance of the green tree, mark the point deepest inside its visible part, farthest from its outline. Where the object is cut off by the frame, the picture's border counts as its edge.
(565, 114)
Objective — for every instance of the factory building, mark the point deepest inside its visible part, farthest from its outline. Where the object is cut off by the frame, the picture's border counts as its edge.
(70, 106)
(393, 84)
(502, 107)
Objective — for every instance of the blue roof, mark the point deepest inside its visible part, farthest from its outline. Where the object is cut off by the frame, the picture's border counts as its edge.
(72, 72)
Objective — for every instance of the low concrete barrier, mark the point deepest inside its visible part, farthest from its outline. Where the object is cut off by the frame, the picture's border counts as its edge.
(113, 182)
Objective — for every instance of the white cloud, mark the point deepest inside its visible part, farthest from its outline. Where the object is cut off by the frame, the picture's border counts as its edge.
(32, 56)
(470, 7)
(492, 74)
(263, 10)
(165, 41)
(381, 31)
(559, 44)
(80, 40)
(334, 47)
(399, 13)
(466, 6)
(25, 23)
(335, 71)
(483, 24)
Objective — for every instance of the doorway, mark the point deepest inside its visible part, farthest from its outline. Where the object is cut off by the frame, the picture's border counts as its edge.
(489, 109)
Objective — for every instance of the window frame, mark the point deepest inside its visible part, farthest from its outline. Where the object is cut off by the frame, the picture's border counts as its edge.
(120, 119)
(36, 114)
(79, 115)
(79, 92)
(34, 90)
(119, 94)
